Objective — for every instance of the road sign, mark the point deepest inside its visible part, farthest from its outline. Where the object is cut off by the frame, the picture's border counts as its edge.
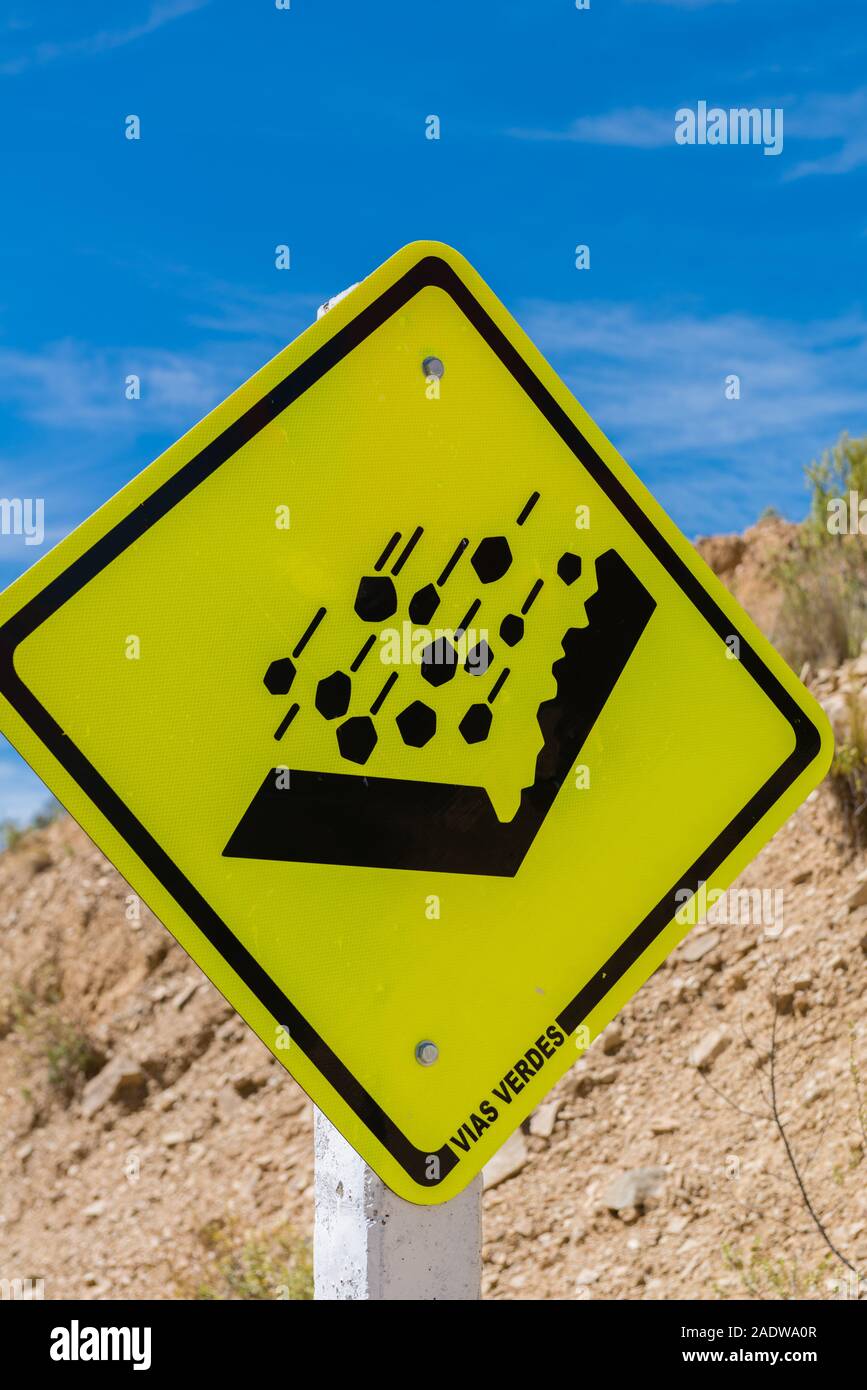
(394, 693)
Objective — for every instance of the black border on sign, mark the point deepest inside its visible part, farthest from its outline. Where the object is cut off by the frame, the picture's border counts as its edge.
(429, 271)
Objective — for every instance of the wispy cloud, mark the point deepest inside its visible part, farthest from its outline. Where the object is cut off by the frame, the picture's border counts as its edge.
(70, 386)
(685, 4)
(246, 313)
(161, 12)
(655, 383)
(21, 792)
(72, 435)
(73, 386)
(831, 117)
(638, 127)
(837, 116)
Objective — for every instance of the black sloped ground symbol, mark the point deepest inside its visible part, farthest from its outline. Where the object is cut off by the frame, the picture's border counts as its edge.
(386, 823)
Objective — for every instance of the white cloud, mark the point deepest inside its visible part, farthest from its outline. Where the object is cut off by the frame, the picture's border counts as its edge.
(685, 4)
(104, 41)
(71, 387)
(654, 381)
(252, 314)
(841, 117)
(84, 435)
(637, 127)
(21, 792)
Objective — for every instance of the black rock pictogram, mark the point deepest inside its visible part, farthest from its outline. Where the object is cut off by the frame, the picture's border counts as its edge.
(439, 661)
(476, 723)
(569, 567)
(333, 694)
(478, 659)
(417, 724)
(491, 558)
(376, 599)
(400, 823)
(280, 675)
(357, 738)
(512, 629)
(423, 604)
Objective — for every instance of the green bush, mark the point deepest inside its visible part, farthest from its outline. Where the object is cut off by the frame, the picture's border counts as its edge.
(823, 615)
(849, 773)
(71, 1056)
(249, 1266)
(12, 833)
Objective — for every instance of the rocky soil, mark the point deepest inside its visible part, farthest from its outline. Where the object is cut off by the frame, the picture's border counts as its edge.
(150, 1146)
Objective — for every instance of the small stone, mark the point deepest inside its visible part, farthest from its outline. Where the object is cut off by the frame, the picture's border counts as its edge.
(247, 1085)
(698, 945)
(121, 1079)
(815, 1090)
(858, 895)
(543, 1120)
(508, 1161)
(783, 1000)
(94, 1210)
(663, 1126)
(606, 1076)
(677, 1225)
(711, 1046)
(612, 1039)
(634, 1189)
(185, 994)
(174, 1138)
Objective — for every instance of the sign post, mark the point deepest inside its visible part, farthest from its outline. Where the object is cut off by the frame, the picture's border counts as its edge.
(369, 1244)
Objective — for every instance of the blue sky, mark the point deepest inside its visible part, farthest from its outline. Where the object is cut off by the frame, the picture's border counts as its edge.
(307, 127)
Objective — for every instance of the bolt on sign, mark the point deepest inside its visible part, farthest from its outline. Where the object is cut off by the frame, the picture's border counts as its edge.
(410, 713)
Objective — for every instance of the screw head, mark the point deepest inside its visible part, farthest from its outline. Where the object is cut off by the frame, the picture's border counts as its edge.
(426, 1053)
(433, 366)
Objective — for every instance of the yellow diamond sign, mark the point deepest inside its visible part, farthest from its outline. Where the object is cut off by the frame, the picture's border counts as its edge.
(394, 693)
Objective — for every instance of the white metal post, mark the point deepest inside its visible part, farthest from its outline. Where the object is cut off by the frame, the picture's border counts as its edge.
(369, 1244)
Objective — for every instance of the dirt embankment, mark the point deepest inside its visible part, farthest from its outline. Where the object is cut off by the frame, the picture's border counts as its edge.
(151, 1147)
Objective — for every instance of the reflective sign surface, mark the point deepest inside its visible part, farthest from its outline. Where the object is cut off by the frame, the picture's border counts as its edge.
(409, 712)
